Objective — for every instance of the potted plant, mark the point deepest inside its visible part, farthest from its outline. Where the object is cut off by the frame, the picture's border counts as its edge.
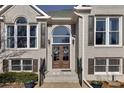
(96, 84)
(29, 84)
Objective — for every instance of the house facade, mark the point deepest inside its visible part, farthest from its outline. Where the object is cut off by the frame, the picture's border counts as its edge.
(86, 42)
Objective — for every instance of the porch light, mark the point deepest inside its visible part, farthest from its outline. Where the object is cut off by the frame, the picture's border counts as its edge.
(73, 41)
(49, 42)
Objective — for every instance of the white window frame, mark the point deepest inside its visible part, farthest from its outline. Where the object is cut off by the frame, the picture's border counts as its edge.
(35, 36)
(107, 31)
(70, 39)
(16, 31)
(98, 73)
(107, 72)
(28, 36)
(10, 65)
(9, 36)
(21, 60)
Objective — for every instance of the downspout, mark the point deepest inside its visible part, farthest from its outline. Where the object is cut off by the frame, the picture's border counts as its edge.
(83, 49)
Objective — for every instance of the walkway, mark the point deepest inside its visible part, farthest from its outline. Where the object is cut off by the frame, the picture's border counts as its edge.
(62, 85)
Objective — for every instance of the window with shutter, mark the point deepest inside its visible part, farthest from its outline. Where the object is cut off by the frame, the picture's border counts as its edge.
(18, 65)
(109, 66)
(108, 31)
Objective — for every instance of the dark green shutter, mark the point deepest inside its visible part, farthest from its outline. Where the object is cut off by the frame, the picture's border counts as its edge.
(90, 66)
(90, 30)
(0, 36)
(35, 65)
(123, 66)
(5, 65)
(43, 31)
(123, 30)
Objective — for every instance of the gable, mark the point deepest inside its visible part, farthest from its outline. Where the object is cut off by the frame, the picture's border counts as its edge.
(28, 11)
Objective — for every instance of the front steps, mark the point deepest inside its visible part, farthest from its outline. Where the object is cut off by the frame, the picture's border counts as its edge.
(60, 85)
(61, 76)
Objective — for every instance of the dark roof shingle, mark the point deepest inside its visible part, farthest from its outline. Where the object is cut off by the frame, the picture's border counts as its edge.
(61, 13)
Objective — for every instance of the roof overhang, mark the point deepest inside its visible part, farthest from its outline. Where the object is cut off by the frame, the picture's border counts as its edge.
(39, 10)
(43, 17)
(61, 20)
(80, 7)
(85, 9)
(3, 7)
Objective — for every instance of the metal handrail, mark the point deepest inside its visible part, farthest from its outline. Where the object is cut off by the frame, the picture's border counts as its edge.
(42, 72)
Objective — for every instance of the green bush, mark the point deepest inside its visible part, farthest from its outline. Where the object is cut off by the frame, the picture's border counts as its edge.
(96, 82)
(10, 77)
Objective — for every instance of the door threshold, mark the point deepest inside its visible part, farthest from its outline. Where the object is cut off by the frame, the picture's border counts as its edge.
(66, 70)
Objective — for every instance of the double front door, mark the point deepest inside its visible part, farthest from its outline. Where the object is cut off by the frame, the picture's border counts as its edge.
(61, 56)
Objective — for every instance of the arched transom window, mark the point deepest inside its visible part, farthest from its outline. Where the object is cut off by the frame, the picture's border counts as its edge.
(21, 20)
(61, 35)
(21, 34)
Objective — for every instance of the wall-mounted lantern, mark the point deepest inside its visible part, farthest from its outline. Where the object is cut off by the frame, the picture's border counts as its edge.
(73, 41)
(49, 42)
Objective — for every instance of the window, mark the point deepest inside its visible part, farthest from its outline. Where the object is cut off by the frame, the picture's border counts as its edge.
(27, 64)
(16, 65)
(61, 35)
(108, 66)
(100, 65)
(21, 20)
(108, 31)
(100, 31)
(114, 65)
(113, 31)
(21, 65)
(22, 35)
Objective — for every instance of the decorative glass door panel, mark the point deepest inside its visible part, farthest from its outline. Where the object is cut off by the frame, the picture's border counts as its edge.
(61, 56)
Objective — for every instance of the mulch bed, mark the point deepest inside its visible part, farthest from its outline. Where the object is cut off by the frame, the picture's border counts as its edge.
(12, 85)
(107, 84)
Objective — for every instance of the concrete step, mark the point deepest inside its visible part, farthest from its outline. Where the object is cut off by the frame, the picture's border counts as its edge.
(61, 77)
(60, 85)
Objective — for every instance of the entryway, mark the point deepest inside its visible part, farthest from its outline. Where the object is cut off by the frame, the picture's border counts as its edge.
(61, 55)
(61, 40)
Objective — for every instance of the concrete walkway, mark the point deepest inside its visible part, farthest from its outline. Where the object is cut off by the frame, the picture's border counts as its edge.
(62, 85)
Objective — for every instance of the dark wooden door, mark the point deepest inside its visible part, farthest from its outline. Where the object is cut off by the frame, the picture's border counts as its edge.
(60, 56)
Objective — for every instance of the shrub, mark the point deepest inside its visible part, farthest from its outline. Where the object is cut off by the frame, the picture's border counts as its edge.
(7, 78)
(10, 77)
(96, 84)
